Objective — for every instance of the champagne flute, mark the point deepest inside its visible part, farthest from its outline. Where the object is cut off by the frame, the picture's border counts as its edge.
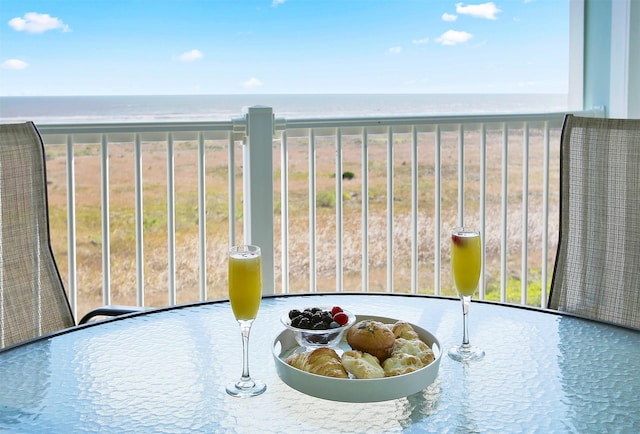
(245, 293)
(466, 259)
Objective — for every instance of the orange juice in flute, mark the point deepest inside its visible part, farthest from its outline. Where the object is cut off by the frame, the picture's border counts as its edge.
(466, 260)
(245, 293)
(245, 285)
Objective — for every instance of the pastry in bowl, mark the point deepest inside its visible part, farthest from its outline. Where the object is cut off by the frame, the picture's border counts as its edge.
(371, 337)
(362, 365)
(402, 329)
(401, 363)
(414, 347)
(321, 361)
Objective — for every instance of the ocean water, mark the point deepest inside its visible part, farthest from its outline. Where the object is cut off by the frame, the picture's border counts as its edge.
(84, 109)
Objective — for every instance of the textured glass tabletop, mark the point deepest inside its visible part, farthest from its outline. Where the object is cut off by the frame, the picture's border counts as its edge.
(166, 371)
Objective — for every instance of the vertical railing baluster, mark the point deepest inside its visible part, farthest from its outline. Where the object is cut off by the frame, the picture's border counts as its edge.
(414, 210)
(503, 212)
(524, 278)
(104, 189)
(545, 216)
(72, 284)
(389, 209)
(232, 189)
(139, 211)
(171, 225)
(202, 218)
(365, 210)
(284, 212)
(312, 211)
(437, 256)
(339, 216)
(483, 210)
(460, 175)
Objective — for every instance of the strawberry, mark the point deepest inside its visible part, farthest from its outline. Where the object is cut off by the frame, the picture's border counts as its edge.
(457, 239)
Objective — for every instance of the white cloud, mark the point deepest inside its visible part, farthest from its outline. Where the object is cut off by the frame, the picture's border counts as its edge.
(453, 37)
(252, 83)
(275, 3)
(395, 50)
(449, 17)
(14, 64)
(484, 10)
(190, 56)
(34, 22)
(420, 41)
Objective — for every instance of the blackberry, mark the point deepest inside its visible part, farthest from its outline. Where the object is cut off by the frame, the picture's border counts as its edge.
(294, 313)
(304, 323)
(319, 326)
(295, 321)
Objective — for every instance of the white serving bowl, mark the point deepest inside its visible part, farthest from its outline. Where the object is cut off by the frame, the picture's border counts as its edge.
(350, 389)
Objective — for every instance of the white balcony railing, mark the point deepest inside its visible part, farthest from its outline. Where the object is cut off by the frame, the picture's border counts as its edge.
(353, 204)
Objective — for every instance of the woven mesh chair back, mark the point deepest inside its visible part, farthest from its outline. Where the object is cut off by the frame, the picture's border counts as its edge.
(32, 298)
(597, 269)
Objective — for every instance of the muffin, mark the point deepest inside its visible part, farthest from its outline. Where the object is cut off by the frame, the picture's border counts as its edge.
(371, 337)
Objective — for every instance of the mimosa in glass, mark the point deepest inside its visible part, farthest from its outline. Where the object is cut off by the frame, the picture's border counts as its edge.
(245, 293)
(245, 285)
(466, 260)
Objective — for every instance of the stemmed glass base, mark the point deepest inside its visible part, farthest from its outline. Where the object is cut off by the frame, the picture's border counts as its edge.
(466, 353)
(246, 388)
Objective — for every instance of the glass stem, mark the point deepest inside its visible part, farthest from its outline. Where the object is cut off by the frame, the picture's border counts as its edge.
(245, 329)
(466, 301)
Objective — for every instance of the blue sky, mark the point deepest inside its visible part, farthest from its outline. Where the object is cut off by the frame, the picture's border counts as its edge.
(162, 47)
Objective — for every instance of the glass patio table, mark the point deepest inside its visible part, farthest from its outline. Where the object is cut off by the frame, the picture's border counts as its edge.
(166, 371)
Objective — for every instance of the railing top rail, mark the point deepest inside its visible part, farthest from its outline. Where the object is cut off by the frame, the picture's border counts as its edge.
(136, 127)
(374, 121)
(238, 125)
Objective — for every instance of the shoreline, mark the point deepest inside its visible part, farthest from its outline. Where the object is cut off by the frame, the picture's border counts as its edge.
(177, 108)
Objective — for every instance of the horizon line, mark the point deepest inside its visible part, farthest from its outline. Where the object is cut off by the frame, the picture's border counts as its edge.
(283, 94)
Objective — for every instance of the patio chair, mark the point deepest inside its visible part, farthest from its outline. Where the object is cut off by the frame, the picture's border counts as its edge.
(597, 268)
(33, 301)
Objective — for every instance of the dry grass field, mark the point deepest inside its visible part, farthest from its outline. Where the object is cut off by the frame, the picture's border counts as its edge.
(155, 242)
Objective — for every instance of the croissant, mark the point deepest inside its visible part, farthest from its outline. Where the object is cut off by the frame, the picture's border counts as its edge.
(401, 363)
(321, 361)
(362, 365)
(404, 330)
(416, 348)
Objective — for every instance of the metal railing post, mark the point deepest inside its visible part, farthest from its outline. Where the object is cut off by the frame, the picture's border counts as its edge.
(258, 189)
